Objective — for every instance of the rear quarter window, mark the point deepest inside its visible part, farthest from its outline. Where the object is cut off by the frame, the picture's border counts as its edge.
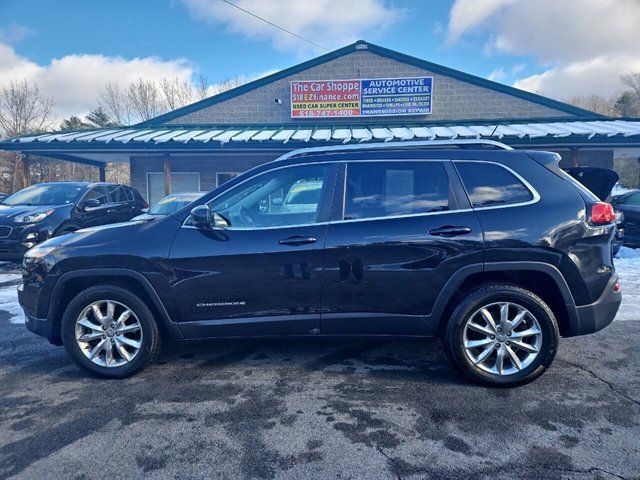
(491, 185)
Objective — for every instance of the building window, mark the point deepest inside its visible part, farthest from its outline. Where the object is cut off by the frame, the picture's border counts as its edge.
(180, 182)
(223, 177)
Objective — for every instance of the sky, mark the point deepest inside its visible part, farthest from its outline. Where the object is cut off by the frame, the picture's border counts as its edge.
(71, 48)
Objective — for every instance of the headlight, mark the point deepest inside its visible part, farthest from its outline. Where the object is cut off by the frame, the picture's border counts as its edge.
(34, 217)
(39, 252)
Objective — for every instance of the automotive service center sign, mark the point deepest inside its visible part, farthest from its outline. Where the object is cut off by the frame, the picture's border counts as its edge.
(361, 98)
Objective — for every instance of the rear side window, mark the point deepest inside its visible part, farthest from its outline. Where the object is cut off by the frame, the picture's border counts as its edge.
(118, 194)
(383, 189)
(488, 184)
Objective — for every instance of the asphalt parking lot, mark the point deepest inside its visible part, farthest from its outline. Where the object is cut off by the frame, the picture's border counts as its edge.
(319, 409)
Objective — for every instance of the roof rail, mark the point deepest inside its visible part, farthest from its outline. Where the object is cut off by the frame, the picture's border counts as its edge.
(402, 144)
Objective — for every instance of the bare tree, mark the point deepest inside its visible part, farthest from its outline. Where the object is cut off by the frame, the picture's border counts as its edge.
(202, 87)
(23, 109)
(116, 103)
(144, 98)
(595, 103)
(176, 93)
(226, 84)
(632, 80)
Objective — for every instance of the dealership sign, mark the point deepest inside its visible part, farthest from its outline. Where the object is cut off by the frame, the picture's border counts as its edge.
(361, 98)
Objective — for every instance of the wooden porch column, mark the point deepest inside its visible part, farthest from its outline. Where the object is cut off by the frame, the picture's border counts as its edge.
(167, 175)
(103, 172)
(26, 161)
(574, 157)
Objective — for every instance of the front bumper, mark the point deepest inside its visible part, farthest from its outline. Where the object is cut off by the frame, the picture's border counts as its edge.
(597, 315)
(20, 239)
(33, 297)
(42, 327)
(12, 250)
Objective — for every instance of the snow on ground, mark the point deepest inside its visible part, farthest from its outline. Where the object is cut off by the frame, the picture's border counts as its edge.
(627, 264)
(9, 297)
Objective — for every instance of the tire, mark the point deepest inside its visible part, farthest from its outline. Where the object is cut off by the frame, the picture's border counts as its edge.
(535, 353)
(142, 331)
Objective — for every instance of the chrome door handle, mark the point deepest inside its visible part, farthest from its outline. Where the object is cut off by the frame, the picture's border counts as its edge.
(296, 240)
(449, 231)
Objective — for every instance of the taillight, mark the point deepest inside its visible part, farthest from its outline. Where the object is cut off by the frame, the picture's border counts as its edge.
(602, 213)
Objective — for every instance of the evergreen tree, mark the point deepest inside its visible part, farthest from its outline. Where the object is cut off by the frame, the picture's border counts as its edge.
(74, 123)
(100, 118)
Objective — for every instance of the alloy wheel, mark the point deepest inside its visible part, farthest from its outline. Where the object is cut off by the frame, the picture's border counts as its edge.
(108, 333)
(502, 338)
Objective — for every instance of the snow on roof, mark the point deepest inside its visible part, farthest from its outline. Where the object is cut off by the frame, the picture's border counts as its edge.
(344, 134)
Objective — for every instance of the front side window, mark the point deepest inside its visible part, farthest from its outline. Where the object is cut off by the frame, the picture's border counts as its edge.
(490, 185)
(285, 197)
(384, 189)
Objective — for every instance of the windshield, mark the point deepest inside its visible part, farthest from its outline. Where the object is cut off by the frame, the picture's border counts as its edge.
(45, 195)
(171, 204)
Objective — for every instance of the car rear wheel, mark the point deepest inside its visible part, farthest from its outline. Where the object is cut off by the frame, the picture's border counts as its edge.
(501, 335)
(110, 332)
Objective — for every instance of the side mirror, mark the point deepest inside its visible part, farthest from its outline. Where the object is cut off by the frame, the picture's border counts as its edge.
(90, 203)
(201, 216)
(276, 201)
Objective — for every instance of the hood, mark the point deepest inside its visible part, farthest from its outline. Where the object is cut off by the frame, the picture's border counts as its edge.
(599, 180)
(145, 217)
(10, 211)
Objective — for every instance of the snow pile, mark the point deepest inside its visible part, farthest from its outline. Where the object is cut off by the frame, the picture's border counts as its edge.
(9, 298)
(619, 190)
(627, 263)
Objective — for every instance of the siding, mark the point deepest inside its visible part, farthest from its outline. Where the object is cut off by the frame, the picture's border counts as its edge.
(452, 99)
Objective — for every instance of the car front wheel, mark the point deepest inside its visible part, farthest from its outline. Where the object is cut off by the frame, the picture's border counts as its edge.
(110, 332)
(501, 335)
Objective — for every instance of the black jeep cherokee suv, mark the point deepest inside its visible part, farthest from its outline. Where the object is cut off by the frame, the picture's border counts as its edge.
(497, 251)
(45, 210)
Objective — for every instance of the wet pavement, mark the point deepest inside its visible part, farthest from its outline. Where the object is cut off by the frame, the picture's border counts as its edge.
(319, 409)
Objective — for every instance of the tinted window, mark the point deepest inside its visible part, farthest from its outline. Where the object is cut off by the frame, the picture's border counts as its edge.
(99, 193)
(118, 194)
(52, 194)
(489, 184)
(382, 189)
(285, 197)
(632, 199)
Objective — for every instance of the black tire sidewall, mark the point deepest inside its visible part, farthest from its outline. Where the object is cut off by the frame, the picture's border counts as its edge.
(150, 334)
(501, 293)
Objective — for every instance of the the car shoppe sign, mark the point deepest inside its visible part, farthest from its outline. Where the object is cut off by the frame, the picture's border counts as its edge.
(361, 98)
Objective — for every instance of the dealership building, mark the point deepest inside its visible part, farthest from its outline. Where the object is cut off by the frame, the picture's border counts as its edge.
(361, 93)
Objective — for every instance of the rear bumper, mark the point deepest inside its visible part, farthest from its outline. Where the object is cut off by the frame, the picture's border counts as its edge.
(597, 315)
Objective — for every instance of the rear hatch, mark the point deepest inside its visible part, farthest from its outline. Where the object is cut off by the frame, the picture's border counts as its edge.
(599, 180)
